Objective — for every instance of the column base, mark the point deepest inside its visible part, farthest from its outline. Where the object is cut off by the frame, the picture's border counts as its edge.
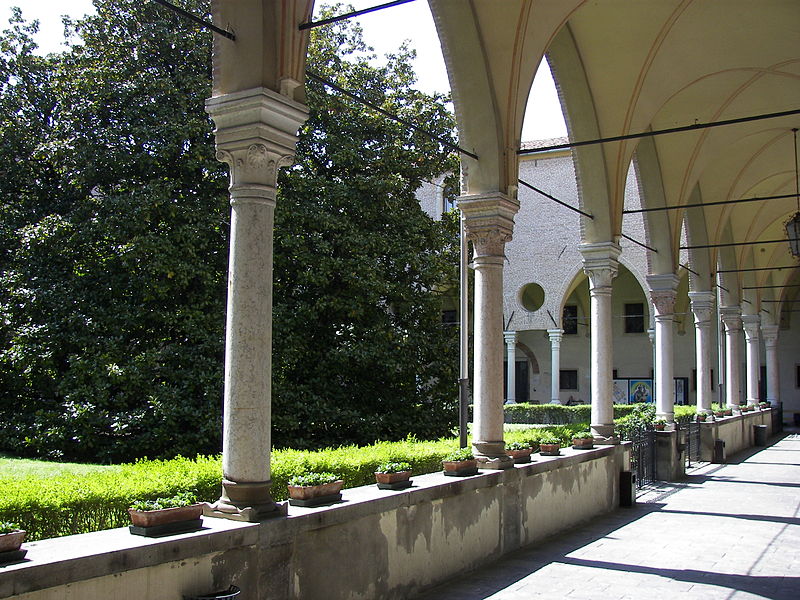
(604, 435)
(669, 417)
(555, 402)
(249, 502)
(492, 455)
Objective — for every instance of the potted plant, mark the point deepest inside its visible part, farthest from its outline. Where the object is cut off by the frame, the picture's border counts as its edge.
(719, 413)
(660, 424)
(460, 463)
(315, 489)
(11, 538)
(728, 412)
(583, 440)
(549, 445)
(393, 475)
(701, 417)
(519, 451)
(164, 516)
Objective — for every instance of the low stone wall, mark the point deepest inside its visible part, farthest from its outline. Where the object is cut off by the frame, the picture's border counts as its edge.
(374, 544)
(735, 431)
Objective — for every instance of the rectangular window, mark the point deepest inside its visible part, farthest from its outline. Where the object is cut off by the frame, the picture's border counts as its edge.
(569, 320)
(568, 379)
(634, 317)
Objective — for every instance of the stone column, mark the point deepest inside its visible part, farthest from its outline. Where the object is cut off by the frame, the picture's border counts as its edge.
(511, 347)
(600, 264)
(489, 220)
(751, 325)
(770, 335)
(256, 132)
(555, 365)
(662, 296)
(703, 309)
(732, 320)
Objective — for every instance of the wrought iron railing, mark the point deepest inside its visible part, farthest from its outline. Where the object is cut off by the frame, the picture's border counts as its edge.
(643, 456)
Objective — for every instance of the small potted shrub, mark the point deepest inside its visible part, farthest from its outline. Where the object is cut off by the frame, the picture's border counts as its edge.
(11, 538)
(728, 412)
(519, 451)
(393, 475)
(163, 516)
(660, 424)
(719, 413)
(460, 463)
(763, 405)
(549, 445)
(701, 417)
(583, 440)
(315, 489)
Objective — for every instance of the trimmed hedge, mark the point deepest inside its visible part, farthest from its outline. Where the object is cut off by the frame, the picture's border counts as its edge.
(557, 414)
(57, 506)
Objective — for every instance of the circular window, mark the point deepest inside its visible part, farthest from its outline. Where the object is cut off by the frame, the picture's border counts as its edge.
(531, 297)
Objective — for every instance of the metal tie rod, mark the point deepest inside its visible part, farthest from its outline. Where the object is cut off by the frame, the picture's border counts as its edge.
(704, 204)
(355, 13)
(645, 134)
(740, 244)
(187, 15)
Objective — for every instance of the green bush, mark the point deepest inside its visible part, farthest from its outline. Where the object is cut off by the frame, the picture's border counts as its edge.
(393, 467)
(8, 527)
(460, 454)
(176, 501)
(557, 414)
(312, 479)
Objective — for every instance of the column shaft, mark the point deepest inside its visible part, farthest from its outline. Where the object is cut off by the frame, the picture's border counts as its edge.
(703, 309)
(751, 325)
(731, 318)
(600, 264)
(511, 358)
(662, 295)
(555, 365)
(770, 333)
(489, 223)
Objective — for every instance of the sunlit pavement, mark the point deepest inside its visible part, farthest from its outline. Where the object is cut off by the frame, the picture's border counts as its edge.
(726, 531)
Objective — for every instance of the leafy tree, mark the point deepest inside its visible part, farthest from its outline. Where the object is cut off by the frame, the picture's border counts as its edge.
(114, 248)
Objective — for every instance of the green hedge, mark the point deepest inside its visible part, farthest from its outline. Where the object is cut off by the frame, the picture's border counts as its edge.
(49, 507)
(557, 414)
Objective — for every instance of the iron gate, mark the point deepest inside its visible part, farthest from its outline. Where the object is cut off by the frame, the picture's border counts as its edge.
(643, 456)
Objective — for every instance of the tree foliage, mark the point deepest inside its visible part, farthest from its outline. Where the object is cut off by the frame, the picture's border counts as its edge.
(113, 236)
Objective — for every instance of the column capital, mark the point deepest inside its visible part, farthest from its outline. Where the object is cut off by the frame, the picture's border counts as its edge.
(731, 317)
(702, 307)
(555, 334)
(751, 325)
(770, 334)
(662, 293)
(600, 263)
(256, 134)
(510, 337)
(489, 221)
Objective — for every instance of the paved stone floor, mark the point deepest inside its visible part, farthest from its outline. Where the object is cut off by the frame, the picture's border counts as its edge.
(727, 531)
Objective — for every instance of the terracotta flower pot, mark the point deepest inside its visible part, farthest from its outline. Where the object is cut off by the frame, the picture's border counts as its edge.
(9, 542)
(520, 456)
(660, 427)
(313, 492)
(393, 481)
(460, 468)
(583, 443)
(549, 449)
(165, 516)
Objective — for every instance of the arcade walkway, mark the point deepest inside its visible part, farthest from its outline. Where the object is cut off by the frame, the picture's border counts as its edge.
(727, 531)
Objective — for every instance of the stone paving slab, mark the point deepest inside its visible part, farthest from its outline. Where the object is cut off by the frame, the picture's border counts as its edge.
(728, 531)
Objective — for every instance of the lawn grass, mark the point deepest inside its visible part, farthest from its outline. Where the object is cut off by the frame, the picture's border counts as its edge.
(12, 467)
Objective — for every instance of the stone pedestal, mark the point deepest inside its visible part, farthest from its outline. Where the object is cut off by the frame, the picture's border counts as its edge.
(662, 296)
(703, 309)
(555, 365)
(770, 335)
(489, 220)
(732, 321)
(600, 264)
(751, 324)
(511, 362)
(256, 132)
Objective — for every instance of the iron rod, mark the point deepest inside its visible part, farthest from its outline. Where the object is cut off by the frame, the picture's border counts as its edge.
(645, 134)
(767, 287)
(554, 199)
(739, 244)
(355, 13)
(186, 14)
(758, 269)
(704, 204)
(637, 242)
(386, 113)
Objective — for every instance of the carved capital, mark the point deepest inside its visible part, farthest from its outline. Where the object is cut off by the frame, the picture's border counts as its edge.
(770, 335)
(751, 324)
(510, 337)
(663, 301)
(600, 264)
(255, 163)
(702, 307)
(731, 318)
(489, 221)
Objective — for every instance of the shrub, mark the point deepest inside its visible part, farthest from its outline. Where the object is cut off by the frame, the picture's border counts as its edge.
(557, 414)
(311, 479)
(460, 454)
(582, 435)
(549, 439)
(393, 467)
(180, 499)
(518, 446)
(8, 527)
